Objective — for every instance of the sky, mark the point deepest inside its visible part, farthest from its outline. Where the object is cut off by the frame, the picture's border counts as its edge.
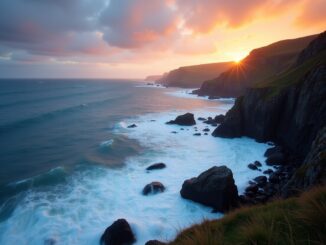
(136, 38)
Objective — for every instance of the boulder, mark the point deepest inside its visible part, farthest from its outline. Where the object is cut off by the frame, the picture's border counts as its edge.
(201, 119)
(184, 120)
(215, 187)
(155, 166)
(261, 181)
(119, 233)
(273, 150)
(268, 171)
(153, 188)
(219, 119)
(197, 134)
(252, 188)
(206, 129)
(258, 164)
(132, 126)
(252, 166)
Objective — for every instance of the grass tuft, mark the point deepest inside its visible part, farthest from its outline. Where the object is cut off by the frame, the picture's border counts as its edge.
(294, 221)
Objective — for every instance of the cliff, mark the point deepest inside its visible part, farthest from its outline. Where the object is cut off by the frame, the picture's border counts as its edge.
(153, 78)
(259, 65)
(289, 109)
(193, 76)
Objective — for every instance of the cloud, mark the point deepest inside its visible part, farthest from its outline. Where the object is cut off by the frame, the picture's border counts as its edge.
(133, 24)
(313, 13)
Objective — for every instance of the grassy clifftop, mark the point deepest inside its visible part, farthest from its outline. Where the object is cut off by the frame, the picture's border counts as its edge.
(293, 221)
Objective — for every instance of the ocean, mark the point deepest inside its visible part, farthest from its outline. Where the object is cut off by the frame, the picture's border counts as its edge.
(70, 166)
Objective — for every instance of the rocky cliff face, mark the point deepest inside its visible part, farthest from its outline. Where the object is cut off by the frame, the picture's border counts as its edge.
(289, 110)
(259, 65)
(193, 76)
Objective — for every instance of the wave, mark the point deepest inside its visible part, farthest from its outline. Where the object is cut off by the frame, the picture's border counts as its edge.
(9, 194)
(49, 115)
(24, 102)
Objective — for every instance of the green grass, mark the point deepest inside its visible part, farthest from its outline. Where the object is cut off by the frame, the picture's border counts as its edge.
(293, 221)
(291, 76)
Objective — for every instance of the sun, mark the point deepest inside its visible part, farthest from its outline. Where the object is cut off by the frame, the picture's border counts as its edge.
(238, 57)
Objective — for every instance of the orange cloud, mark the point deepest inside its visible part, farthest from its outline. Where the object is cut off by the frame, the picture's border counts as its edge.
(312, 13)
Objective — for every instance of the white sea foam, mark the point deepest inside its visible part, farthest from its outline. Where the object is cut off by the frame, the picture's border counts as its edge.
(186, 93)
(107, 143)
(79, 212)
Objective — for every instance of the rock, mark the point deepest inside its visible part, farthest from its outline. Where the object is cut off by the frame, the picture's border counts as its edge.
(261, 181)
(215, 187)
(274, 178)
(174, 132)
(197, 134)
(184, 120)
(209, 120)
(219, 119)
(275, 159)
(252, 166)
(213, 97)
(268, 171)
(201, 119)
(252, 188)
(205, 133)
(206, 130)
(155, 166)
(182, 129)
(273, 150)
(258, 164)
(132, 126)
(119, 233)
(153, 188)
(154, 242)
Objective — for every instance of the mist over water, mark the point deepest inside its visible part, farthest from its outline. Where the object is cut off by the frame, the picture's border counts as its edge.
(70, 166)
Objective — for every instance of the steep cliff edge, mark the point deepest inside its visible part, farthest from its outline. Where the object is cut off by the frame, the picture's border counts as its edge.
(193, 76)
(259, 65)
(289, 109)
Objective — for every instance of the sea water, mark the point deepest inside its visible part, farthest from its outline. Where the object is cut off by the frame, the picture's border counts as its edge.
(70, 165)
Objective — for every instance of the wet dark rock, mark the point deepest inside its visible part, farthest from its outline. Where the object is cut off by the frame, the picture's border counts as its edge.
(252, 188)
(274, 178)
(197, 134)
(215, 187)
(155, 166)
(252, 166)
(258, 164)
(201, 119)
(174, 132)
(184, 120)
(154, 242)
(261, 181)
(206, 130)
(273, 150)
(153, 188)
(268, 171)
(219, 119)
(119, 233)
(205, 133)
(132, 126)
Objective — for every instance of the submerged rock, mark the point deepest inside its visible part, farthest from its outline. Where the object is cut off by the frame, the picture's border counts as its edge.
(155, 166)
(215, 187)
(153, 188)
(119, 233)
(132, 126)
(197, 134)
(184, 120)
